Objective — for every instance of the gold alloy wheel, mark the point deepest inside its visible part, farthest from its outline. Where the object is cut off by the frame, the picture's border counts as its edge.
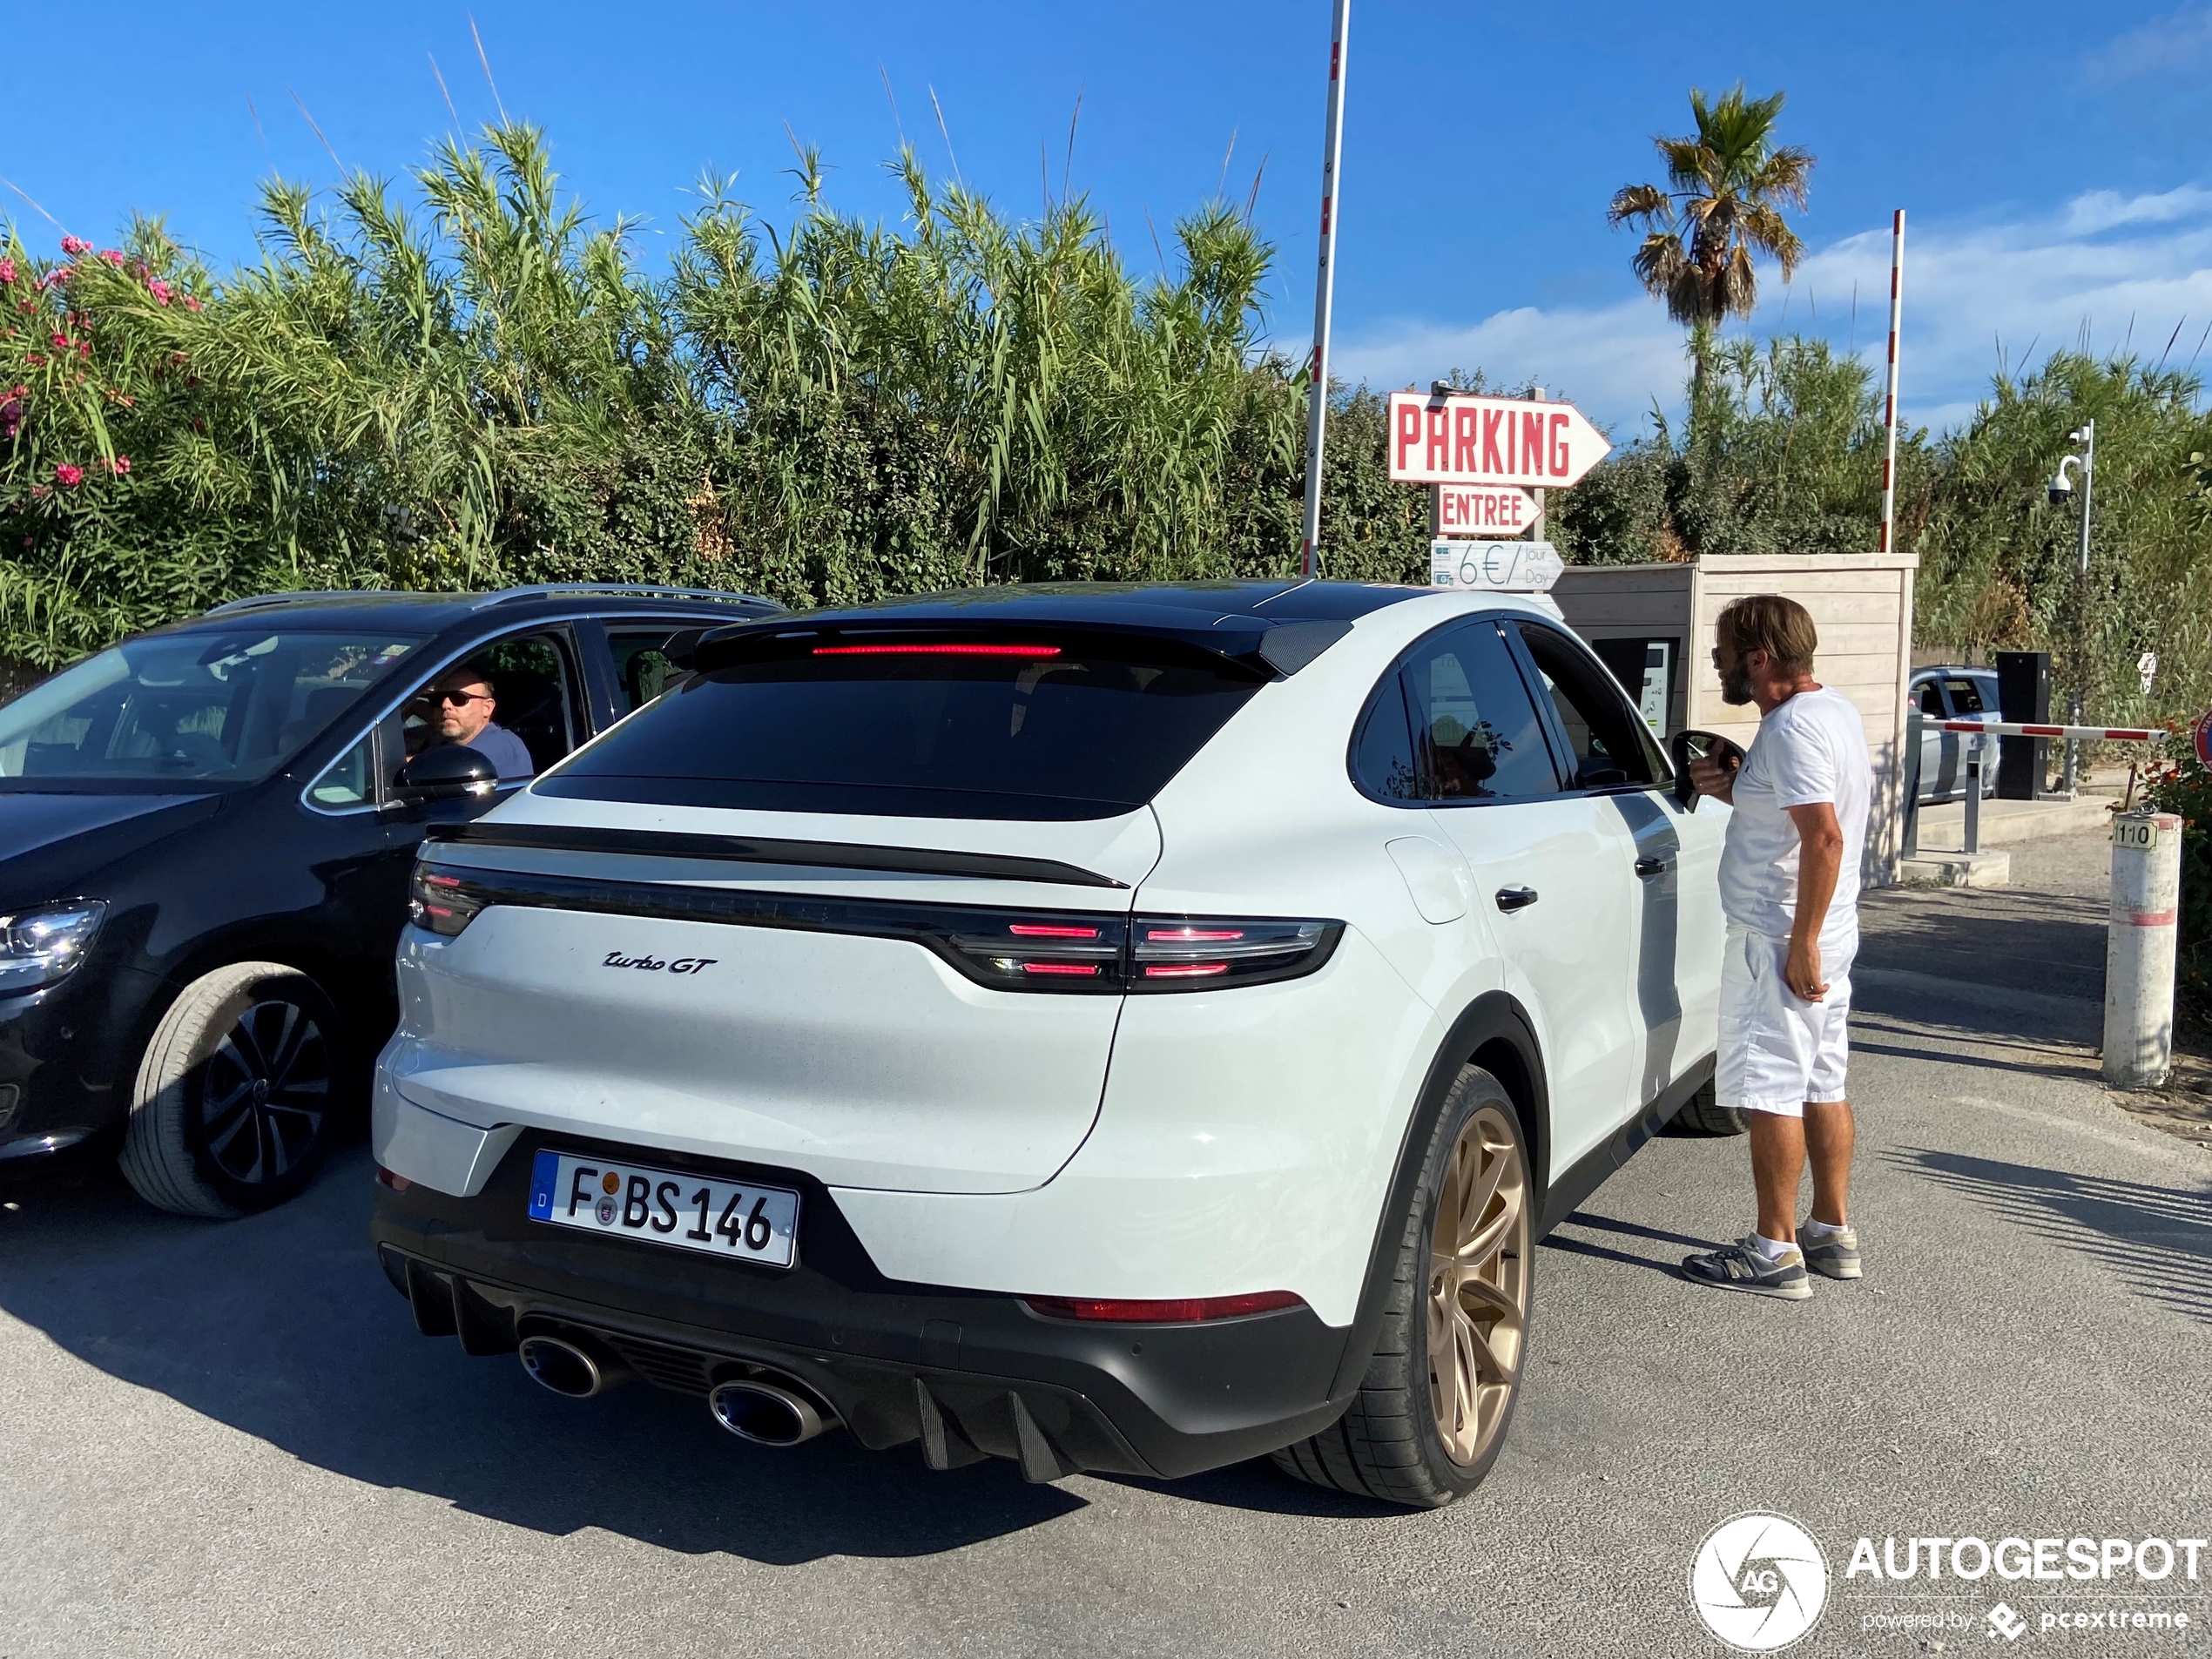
(1478, 1285)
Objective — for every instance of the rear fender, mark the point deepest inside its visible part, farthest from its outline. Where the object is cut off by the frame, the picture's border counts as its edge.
(1496, 1032)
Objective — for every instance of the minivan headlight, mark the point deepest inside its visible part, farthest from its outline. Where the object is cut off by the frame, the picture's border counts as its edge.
(42, 945)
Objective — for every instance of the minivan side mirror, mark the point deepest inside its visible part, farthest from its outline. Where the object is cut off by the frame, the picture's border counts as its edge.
(449, 772)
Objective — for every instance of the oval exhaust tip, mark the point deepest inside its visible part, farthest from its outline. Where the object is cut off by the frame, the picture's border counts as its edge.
(568, 1370)
(766, 1414)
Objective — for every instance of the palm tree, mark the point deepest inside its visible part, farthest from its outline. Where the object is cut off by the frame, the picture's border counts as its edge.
(1721, 204)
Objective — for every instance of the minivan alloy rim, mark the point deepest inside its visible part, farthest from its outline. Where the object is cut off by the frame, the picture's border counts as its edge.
(264, 1091)
(1478, 1285)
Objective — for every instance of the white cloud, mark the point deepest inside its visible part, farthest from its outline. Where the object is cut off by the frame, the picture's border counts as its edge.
(2124, 268)
(2177, 44)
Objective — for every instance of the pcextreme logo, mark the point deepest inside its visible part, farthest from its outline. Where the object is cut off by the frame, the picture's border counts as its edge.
(1759, 1582)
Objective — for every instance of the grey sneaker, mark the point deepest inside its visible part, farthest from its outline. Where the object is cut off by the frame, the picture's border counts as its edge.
(1743, 1266)
(1835, 1255)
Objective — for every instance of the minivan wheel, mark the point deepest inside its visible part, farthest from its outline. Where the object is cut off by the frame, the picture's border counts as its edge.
(236, 1094)
(1431, 1412)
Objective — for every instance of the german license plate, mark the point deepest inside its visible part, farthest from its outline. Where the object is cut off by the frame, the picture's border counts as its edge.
(747, 1223)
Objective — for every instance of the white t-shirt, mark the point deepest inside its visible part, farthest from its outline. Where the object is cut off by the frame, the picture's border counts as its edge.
(1812, 748)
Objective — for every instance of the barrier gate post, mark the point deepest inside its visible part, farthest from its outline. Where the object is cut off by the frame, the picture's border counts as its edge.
(2139, 948)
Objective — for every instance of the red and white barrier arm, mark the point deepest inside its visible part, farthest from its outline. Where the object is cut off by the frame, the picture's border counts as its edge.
(2089, 733)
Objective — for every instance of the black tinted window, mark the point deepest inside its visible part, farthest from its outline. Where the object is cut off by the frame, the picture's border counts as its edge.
(1611, 744)
(1382, 750)
(1476, 736)
(1057, 733)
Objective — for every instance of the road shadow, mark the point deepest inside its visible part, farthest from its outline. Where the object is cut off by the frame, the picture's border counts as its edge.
(1669, 1265)
(2005, 938)
(281, 1326)
(2158, 1239)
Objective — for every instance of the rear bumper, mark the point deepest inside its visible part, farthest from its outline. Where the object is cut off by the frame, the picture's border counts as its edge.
(966, 1373)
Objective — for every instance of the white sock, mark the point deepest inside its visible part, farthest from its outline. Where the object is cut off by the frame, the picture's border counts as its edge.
(1773, 1250)
(1822, 1230)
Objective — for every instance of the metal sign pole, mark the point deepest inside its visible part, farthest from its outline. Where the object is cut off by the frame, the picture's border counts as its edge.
(1889, 408)
(1537, 530)
(1325, 288)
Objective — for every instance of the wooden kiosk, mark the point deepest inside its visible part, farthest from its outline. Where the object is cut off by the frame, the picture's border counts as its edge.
(1653, 624)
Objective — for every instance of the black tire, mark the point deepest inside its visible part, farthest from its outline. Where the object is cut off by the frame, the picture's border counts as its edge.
(238, 1094)
(1388, 1444)
(1702, 1115)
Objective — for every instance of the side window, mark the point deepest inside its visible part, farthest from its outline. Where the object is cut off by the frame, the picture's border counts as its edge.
(1382, 750)
(349, 780)
(1476, 735)
(1932, 699)
(1610, 742)
(1965, 696)
(537, 695)
(643, 669)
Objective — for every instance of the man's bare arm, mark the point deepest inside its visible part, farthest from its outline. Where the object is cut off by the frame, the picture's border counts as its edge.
(1820, 861)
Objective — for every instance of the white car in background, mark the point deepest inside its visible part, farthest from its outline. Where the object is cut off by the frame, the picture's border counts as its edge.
(1117, 1029)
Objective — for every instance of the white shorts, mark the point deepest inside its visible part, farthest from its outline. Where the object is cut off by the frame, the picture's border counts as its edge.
(1778, 1051)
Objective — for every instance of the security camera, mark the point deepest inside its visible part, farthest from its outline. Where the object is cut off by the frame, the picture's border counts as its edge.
(2061, 491)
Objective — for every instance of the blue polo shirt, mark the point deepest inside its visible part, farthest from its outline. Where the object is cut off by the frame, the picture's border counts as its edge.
(505, 751)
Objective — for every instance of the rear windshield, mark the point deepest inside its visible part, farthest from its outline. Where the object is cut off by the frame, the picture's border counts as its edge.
(1036, 733)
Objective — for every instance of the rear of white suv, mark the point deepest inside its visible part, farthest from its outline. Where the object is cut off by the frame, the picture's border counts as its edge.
(1047, 1023)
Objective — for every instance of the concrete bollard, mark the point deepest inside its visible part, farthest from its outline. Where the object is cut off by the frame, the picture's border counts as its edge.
(2139, 948)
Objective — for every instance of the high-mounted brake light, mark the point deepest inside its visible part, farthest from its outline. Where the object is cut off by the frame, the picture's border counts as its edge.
(947, 649)
(1182, 1310)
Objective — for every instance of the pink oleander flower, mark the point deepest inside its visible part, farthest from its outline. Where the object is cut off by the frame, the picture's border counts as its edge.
(68, 477)
(59, 342)
(120, 466)
(160, 290)
(18, 391)
(113, 256)
(191, 304)
(74, 246)
(7, 270)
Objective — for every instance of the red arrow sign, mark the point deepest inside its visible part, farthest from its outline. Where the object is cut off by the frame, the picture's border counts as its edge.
(1463, 440)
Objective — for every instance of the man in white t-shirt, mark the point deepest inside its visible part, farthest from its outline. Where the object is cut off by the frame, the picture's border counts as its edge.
(1789, 882)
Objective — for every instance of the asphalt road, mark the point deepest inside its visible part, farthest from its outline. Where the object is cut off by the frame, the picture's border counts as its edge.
(228, 1440)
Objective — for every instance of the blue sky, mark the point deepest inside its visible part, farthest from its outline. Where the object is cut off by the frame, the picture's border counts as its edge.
(2051, 158)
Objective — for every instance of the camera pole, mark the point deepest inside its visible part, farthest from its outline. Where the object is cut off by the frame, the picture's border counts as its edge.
(2088, 438)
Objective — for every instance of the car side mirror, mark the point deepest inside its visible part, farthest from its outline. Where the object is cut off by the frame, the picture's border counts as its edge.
(1686, 746)
(448, 772)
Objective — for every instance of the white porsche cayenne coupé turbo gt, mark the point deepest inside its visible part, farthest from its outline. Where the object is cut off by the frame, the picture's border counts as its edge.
(1116, 1029)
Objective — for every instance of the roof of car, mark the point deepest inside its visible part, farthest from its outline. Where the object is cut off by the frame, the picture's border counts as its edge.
(332, 611)
(1299, 600)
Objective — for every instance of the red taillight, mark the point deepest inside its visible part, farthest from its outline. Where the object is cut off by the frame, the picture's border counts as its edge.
(1182, 1309)
(441, 901)
(390, 1178)
(1104, 953)
(946, 649)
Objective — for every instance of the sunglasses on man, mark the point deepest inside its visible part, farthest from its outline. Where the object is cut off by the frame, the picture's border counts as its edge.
(462, 699)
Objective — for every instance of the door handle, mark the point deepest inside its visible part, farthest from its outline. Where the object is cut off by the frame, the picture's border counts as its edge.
(1648, 867)
(1512, 898)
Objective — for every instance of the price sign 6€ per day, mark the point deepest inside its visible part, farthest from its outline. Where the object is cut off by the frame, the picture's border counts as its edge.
(1500, 567)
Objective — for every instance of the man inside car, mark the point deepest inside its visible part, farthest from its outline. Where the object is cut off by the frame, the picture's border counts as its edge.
(462, 707)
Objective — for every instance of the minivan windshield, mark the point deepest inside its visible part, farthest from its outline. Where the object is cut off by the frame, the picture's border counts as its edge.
(214, 706)
(1005, 730)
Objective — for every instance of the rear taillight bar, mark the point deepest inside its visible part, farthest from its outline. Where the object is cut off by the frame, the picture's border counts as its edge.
(1063, 952)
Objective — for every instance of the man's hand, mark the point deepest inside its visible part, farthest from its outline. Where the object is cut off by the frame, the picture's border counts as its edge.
(1708, 776)
(1801, 972)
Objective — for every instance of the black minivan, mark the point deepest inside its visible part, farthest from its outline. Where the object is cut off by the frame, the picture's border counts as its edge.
(205, 834)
